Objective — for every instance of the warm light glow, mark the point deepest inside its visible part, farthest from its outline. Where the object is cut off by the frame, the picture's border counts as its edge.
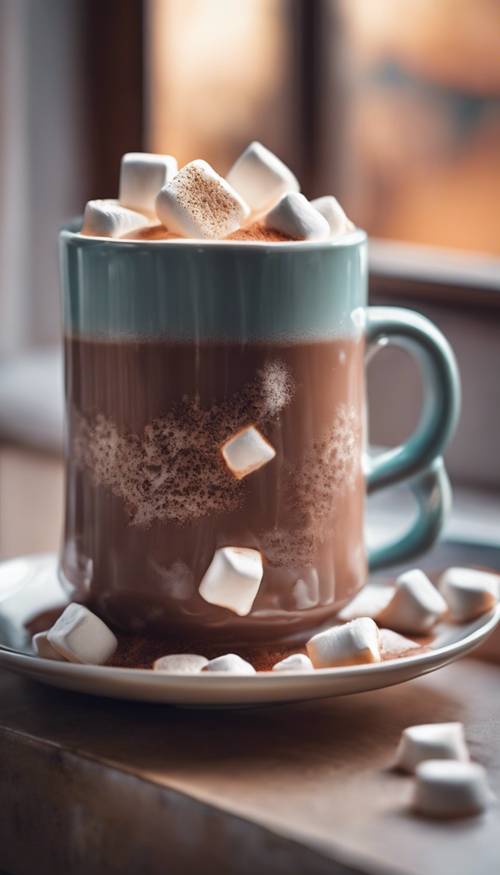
(217, 77)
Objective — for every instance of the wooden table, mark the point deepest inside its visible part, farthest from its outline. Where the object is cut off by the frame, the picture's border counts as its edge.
(91, 786)
(95, 786)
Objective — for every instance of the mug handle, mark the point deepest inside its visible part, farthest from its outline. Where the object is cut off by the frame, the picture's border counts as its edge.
(418, 460)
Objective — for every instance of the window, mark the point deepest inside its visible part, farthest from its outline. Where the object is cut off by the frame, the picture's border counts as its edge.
(392, 105)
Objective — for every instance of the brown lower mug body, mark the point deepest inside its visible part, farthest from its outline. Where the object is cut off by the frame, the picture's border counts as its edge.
(149, 497)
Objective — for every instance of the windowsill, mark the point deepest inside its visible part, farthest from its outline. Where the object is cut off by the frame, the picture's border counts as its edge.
(412, 271)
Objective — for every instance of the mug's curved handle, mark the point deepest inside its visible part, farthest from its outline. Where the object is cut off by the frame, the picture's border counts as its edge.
(423, 449)
(432, 492)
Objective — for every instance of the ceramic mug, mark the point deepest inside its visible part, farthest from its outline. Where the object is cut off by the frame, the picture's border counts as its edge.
(216, 399)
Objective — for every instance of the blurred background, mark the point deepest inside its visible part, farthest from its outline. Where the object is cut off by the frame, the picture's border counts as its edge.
(392, 106)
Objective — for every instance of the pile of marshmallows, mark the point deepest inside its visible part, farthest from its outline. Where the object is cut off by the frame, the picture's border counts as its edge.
(447, 784)
(196, 202)
(412, 606)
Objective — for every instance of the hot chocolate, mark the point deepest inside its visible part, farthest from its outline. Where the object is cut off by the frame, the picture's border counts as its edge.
(150, 497)
(215, 404)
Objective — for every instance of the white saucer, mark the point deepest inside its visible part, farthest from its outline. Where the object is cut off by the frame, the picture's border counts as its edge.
(29, 586)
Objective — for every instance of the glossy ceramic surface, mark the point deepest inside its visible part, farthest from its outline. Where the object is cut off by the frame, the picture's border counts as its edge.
(29, 586)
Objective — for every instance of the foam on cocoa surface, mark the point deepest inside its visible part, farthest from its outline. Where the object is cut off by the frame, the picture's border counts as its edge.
(151, 232)
(256, 233)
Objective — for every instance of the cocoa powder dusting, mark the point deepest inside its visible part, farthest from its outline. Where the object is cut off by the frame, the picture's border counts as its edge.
(259, 232)
(256, 233)
(135, 651)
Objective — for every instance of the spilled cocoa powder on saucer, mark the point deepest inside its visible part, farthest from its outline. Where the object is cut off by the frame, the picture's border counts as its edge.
(135, 651)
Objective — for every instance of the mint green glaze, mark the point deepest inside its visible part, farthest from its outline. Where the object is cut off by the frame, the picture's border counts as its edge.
(419, 336)
(432, 493)
(189, 290)
(420, 454)
(242, 292)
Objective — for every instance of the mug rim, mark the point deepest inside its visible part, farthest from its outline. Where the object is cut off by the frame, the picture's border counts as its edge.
(344, 241)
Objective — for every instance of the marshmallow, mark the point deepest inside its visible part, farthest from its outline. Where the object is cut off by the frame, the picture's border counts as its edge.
(106, 218)
(416, 605)
(80, 636)
(200, 203)
(393, 645)
(230, 663)
(352, 644)
(295, 217)
(180, 663)
(43, 647)
(294, 662)
(469, 593)
(370, 601)
(431, 741)
(444, 788)
(232, 579)
(247, 451)
(331, 210)
(142, 175)
(261, 178)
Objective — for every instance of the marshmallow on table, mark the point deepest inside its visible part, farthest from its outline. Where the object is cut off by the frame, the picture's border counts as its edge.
(233, 578)
(415, 606)
(231, 664)
(43, 647)
(331, 210)
(142, 175)
(247, 451)
(180, 663)
(294, 216)
(261, 178)
(200, 203)
(107, 218)
(431, 741)
(392, 644)
(468, 592)
(294, 662)
(80, 636)
(446, 788)
(351, 644)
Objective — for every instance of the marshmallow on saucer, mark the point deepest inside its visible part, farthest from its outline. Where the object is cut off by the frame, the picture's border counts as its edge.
(447, 788)
(351, 644)
(261, 178)
(107, 218)
(180, 663)
(370, 601)
(416, 605)
(247, 451)
(142, 175)
(294, 216)
(294, 662)
(230, 663)
(200, 203)
(80, 636)
(393, 645)
(232, 579)
(331, 210)
(43, 647)
(431, 741)
(468, 592)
